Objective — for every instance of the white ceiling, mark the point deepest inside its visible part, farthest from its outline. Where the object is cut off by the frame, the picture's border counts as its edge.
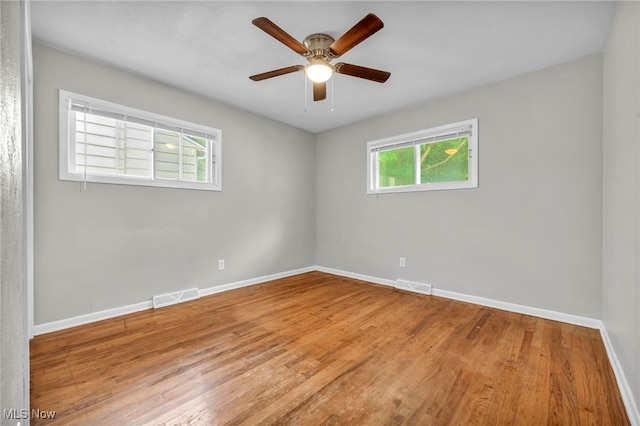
(431, 48)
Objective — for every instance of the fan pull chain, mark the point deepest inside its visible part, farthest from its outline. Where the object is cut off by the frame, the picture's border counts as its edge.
(304, 80)
(333, 83)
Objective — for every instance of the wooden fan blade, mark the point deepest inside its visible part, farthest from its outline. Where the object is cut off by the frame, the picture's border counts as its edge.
(279, 34)
(369, 25)
(362, 72)
(319, 91)
(276, 73)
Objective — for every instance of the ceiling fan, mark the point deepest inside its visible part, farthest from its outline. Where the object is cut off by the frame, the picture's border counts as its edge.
(320, 49)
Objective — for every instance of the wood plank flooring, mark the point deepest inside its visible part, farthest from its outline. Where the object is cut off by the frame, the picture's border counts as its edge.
(320, 349)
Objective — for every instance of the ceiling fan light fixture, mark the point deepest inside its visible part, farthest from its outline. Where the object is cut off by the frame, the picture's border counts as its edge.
(318, 71)
(320, 49)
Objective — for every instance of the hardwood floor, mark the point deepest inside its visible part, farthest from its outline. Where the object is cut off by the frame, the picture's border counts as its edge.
(321, 349)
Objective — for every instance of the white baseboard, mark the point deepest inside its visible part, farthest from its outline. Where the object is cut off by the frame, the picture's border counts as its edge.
(521, 309)
(355, 276)
(141, 306)
(505, 306)
(62, 324)
(253, 281)
(621, 378)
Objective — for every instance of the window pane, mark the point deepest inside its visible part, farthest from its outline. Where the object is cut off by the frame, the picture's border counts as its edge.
(134, 154)
(95, 144)
(444, 161)
(167, 154)
(396, 167)
(202, 154)
(194, 158)
(107, 146)
(181, 158)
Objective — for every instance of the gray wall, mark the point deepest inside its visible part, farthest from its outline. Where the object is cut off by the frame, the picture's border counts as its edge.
(115, 245)
(13, 339)
(530, 234)
(621, 249)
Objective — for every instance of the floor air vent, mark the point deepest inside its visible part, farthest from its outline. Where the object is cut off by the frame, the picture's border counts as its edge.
(177, 297)
(412, 286)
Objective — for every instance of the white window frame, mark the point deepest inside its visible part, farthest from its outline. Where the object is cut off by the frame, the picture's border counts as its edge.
(67, 165)
(467, 128)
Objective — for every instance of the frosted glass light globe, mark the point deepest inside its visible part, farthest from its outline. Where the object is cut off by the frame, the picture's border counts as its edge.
(318, 72)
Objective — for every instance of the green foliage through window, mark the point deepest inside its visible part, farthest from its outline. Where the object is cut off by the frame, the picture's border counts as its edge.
(443, 157)
(397, 167)
(444, 161)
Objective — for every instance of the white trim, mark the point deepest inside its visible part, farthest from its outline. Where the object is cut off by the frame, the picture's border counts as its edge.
(621, 378)
(355, 276)
(505, 306)
(521, 309)
(27, 152)
(27, 191)
(62, 324)
(141, 306)
(253, 281)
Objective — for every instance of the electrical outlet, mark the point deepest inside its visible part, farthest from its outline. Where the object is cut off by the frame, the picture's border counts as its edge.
(221, 265)
(403, 262)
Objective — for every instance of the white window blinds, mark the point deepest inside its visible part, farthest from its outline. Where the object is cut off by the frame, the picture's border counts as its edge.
(105, 140)
(106, 145)
(460, 132)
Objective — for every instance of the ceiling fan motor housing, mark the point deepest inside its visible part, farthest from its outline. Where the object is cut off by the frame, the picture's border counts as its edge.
(318, 44)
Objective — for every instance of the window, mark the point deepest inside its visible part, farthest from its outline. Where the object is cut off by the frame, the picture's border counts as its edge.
(108, 143)
(444, 157)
